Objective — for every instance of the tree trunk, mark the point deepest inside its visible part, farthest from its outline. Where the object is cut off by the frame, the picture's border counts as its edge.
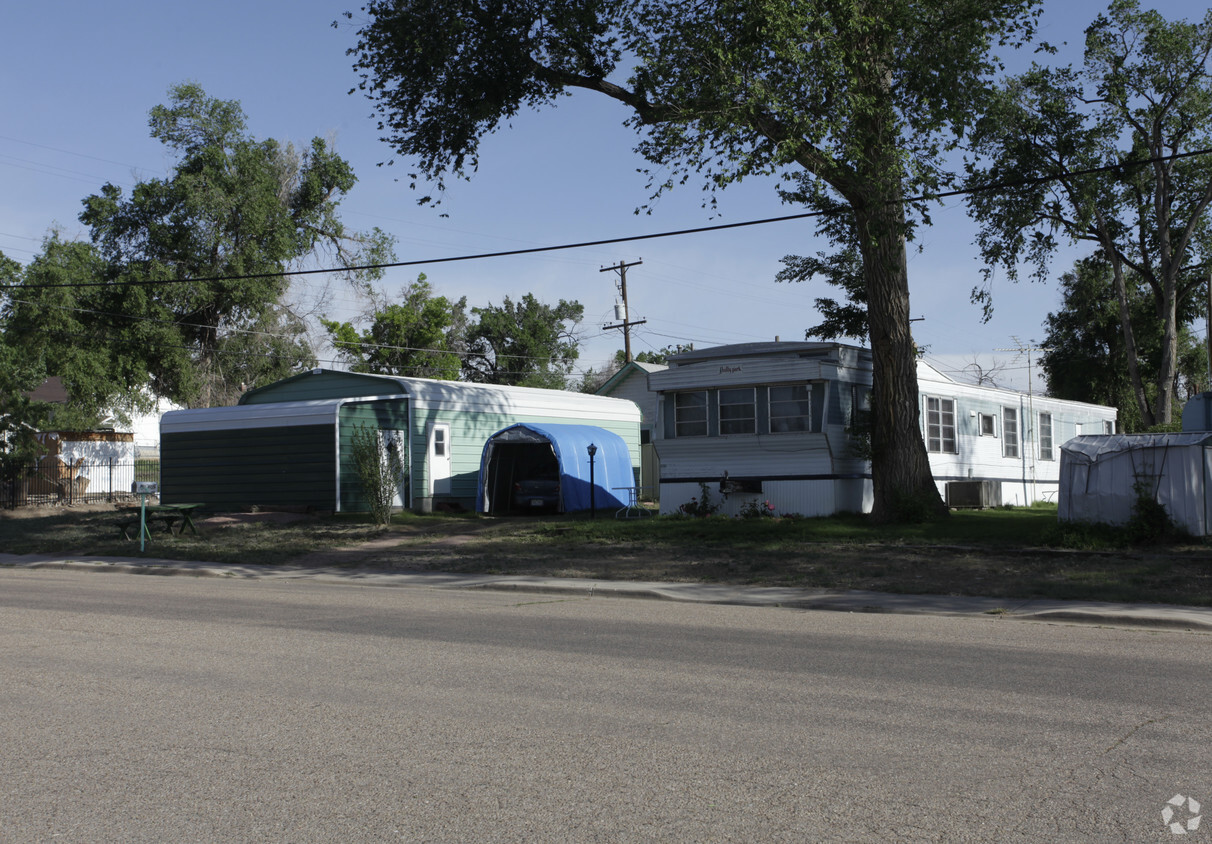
(1167, 369)
(1125, 327)
(903, 485)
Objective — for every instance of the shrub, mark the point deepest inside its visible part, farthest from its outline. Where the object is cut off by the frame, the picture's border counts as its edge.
(702, 506)
(380, 471)
(755, 510)
(1150, 522)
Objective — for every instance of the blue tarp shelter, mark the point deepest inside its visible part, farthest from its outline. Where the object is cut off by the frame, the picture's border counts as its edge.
(612, 469)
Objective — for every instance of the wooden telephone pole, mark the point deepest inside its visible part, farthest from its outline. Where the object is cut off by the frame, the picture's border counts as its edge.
(621, 269)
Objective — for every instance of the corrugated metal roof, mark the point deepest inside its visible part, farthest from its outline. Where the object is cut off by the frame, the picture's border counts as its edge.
(495, 397)
(272, 415)
(463, 395)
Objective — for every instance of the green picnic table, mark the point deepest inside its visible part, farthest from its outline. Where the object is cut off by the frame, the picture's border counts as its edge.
(166, 514)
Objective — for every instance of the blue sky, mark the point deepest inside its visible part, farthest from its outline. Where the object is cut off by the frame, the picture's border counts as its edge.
(80, 78)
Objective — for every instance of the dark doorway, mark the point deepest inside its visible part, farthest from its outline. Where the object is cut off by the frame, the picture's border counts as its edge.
(523, 477)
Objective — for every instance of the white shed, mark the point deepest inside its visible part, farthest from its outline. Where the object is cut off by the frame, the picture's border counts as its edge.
(1099, 477)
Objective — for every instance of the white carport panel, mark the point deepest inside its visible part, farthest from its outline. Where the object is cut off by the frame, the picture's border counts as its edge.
(1099, 476)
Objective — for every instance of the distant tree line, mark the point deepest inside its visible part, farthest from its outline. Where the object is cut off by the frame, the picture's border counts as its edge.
(182, 290)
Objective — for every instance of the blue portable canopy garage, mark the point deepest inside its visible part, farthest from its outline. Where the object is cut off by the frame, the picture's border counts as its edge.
(507, 448)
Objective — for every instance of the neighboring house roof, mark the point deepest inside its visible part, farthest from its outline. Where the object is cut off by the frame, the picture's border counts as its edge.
(626, 371)
(764, 349)
(50, 390)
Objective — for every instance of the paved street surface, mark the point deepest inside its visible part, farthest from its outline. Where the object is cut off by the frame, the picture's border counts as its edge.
(206, 709)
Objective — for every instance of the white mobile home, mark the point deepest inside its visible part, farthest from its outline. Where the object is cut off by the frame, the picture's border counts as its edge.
(776, 418)
(999, 446)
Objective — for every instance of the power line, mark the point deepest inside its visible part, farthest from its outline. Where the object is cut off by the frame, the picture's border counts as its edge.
(931, 197)
(228, 331)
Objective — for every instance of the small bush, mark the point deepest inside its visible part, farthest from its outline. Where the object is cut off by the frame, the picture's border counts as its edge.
(702, 506)
(754, 509)
(1150, 523)
(380, 471)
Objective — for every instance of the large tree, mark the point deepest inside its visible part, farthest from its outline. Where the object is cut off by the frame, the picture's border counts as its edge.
(1085, 358)
(194, 262)
(55, 323)
(858, 97)
(1142, 100)
(526, 343)
(422, 335)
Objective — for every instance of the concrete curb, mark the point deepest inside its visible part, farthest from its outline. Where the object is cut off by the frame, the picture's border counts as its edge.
(1156, 616)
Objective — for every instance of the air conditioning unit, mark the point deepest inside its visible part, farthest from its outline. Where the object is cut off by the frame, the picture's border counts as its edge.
(975, 494)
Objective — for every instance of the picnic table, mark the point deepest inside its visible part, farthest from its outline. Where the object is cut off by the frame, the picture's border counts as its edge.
(166, 514)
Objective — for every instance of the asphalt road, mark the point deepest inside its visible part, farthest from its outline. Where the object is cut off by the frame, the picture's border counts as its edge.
(165, 709)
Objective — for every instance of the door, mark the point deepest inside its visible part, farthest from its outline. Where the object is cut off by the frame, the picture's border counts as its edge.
(393, 449)
(439, 459)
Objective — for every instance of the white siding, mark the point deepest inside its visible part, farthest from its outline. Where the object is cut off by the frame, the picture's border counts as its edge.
(1026, 478)
(804, 498)
(817, 473)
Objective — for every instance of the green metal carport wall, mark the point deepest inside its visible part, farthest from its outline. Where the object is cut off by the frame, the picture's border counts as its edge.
(275, 454)
(389, 413)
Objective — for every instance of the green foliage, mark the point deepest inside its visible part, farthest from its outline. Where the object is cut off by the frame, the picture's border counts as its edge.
(421, 336)
(53, 328)
(701, 506)
(1085, 357)
(528, 343)
(662, 356)
(854, 104)
(380, 471)
(844, 270)
(1150, 523)
(593, 379)
(232, 206)
(754, 509)
(1145, 93)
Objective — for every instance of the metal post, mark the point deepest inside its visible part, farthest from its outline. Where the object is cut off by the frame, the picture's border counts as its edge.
(593, 509)
(142, 519)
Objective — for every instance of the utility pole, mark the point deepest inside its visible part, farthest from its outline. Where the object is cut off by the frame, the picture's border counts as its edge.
(621, 269)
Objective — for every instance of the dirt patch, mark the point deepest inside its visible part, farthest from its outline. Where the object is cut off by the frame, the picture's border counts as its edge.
(222, 520)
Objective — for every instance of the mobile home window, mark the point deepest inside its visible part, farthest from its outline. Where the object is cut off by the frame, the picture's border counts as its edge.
(988, 425)
(1108, 426)
(690, 414)
(790, 409)
(1009, 432)
(860, 402)
(738, 411)
(1045, 436)
(940, 425)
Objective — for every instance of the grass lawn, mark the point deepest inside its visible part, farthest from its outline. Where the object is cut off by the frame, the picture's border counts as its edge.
(1012, 553)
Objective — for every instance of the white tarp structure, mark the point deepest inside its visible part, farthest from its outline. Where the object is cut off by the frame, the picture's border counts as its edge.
(1099, 477)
